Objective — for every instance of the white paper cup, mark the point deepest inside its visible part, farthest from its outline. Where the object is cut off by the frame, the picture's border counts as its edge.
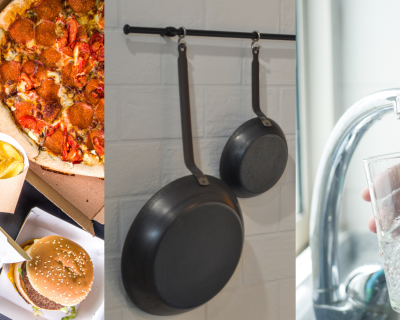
(10, 189)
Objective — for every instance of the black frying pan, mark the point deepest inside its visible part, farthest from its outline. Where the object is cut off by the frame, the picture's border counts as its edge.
(186, 242)
(255, 156)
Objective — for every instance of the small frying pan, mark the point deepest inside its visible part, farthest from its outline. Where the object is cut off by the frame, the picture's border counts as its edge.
(255, 156)
(186, 242)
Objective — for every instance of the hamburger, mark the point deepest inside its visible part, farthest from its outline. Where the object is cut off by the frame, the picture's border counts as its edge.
(59, 275)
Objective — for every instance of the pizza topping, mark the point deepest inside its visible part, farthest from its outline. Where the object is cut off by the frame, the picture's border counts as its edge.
(99, 111)
(81, 35)
(94, 91)
(24, 114)
(50, 57)
(27, 81)
(22, 30)
(67, 75)
(71, 150)
(48, 9)
(52, 77)
(35, 70)
(101, 23)
(24, 109)
(54, 141)
(80, 115)
(45, 34)
(96, 141)
(49, 90)
(80, 6)
(96, 44)
(10, 71)
(51, 111)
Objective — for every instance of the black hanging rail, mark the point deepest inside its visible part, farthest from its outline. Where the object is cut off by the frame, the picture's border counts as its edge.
(172, 32)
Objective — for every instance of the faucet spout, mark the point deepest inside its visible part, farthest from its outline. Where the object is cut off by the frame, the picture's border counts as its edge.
(327, 194)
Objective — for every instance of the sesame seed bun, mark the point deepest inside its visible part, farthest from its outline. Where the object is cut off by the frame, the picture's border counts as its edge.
(59, 274)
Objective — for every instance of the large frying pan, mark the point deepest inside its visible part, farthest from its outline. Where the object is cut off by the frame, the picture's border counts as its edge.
(186, 242)
(255, 156)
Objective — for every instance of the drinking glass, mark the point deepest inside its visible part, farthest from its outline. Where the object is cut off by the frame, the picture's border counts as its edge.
(383, 175)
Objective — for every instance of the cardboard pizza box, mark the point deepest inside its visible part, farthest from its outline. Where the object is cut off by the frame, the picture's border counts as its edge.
(10, 189)
(80, 197)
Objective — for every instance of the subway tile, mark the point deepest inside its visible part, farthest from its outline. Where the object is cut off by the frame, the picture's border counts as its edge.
(113, 312)
(207, 154)
(132, 59)
(277, 62)
(289, 110)
(128, 211)
(116, 296)
(227, 108)
(269, 257)
(111, 18)
(111, 113)
(236, 279)
(288, 22)
(258, 302)
(261, 213)
(288, 207)
(133, 313)
(153, 13)
(287, 299)
(111, 240)
(151, 112)
(236, 15)
(210, 61)
(134, 169)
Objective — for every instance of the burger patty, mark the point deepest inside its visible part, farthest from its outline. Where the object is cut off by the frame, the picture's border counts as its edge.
(39, 300)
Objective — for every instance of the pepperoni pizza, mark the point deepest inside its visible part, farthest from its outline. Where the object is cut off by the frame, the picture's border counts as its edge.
(52, 82)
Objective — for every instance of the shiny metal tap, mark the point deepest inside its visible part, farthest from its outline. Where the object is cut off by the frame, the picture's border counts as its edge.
(331, 300)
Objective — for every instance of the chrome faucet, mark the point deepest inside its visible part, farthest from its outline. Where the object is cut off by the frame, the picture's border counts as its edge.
(331, 300)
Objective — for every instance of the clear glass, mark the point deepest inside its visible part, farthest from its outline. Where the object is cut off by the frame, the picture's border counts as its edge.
(383, 174)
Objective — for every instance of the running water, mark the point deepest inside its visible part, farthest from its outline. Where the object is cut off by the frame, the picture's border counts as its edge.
(391, 261)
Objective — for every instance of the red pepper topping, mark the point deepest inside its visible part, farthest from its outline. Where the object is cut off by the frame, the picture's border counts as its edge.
(71, 150)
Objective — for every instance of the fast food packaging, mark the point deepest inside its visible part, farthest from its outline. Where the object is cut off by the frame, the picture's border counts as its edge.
(10, 189)
(38, 225)
(10, 251)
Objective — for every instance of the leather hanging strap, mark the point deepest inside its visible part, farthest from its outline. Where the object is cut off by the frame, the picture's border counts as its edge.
(255, 81)
(186, 118)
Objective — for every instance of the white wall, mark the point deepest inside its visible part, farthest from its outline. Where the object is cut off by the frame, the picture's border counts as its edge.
(366, 51)
(144, 149)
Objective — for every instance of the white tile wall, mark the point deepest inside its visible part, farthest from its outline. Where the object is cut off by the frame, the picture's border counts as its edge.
(144, 150)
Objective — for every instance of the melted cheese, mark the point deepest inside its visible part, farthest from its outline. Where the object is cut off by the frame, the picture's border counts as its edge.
(66, 99)
(54, 75)
(10, 54)
(11, 277)
(33, 136)
(10, 274)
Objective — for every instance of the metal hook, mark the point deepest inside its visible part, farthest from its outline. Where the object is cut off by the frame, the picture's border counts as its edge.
(181, 37)
(256, 40)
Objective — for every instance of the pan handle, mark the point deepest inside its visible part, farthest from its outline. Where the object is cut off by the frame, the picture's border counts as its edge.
(185, 116)
(255, 74)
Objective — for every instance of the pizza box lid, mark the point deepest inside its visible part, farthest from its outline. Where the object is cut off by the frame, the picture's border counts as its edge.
(40, 224)
(10, 189)
(70, 194)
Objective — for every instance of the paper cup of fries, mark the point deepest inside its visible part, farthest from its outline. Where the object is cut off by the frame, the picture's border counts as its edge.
(14, 166)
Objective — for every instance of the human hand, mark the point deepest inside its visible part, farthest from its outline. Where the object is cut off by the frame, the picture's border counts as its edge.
(367, 197)
(387, 191)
